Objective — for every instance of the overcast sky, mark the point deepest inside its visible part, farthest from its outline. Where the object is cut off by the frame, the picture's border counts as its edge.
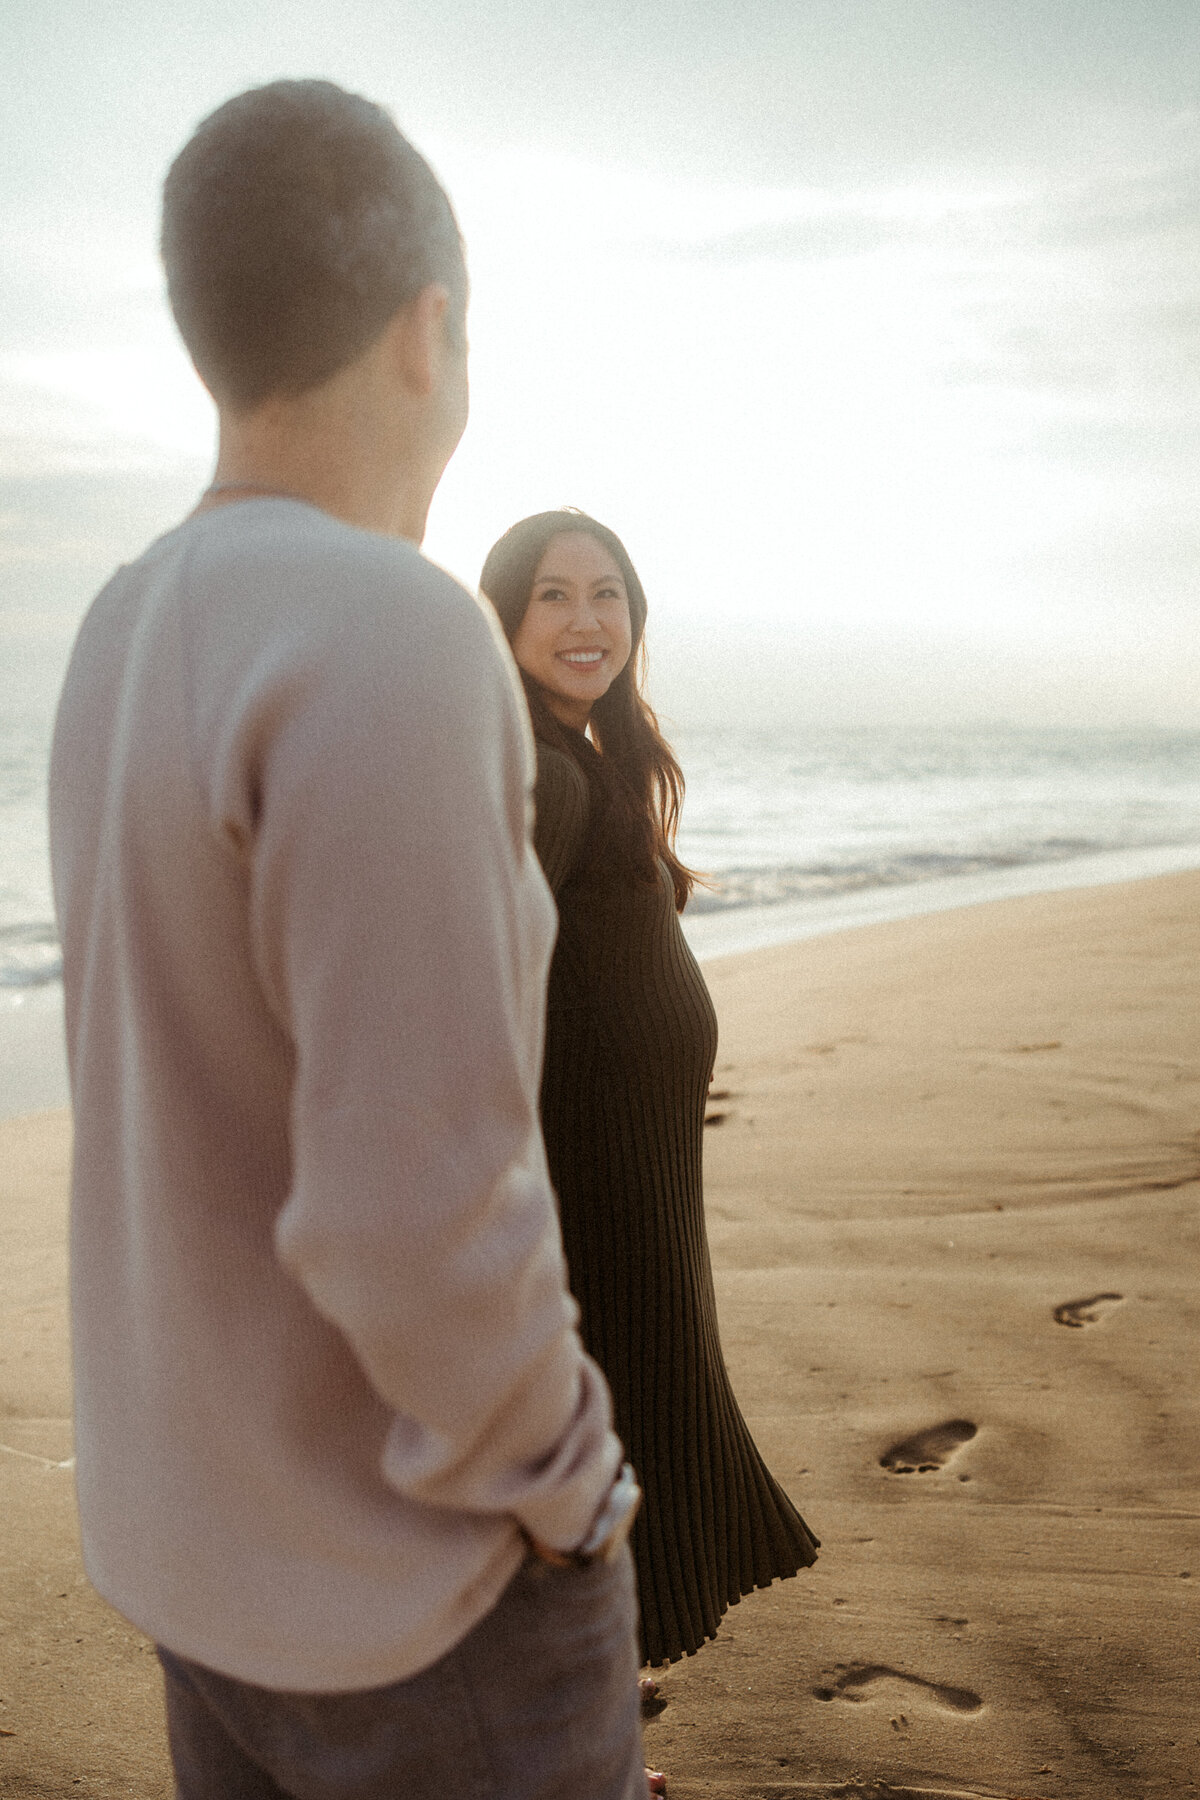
(874, 328)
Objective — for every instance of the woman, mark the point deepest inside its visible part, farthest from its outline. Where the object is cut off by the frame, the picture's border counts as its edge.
(630, 1044)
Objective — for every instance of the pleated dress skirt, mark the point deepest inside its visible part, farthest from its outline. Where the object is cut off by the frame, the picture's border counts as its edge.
(631, 1042)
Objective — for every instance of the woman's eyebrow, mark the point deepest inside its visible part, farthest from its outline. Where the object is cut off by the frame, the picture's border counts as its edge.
(568, 581)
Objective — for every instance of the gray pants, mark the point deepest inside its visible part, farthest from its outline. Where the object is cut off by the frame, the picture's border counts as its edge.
(538, 1702)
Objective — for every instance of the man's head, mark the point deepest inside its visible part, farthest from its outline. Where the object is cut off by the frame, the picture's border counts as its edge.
(297, 222)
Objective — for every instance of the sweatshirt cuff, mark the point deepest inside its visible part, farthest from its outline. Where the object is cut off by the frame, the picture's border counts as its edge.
(563, 1520)
(562, 1504)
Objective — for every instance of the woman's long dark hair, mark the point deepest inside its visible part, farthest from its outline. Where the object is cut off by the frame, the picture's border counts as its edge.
(640, 783)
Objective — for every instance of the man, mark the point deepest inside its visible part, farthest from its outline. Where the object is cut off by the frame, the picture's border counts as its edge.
(340, 1452)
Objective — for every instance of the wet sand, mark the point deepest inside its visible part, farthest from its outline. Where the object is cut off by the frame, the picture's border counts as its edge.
(952, 1182)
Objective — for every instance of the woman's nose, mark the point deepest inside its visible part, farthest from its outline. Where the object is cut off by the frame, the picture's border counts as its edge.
(584, 617)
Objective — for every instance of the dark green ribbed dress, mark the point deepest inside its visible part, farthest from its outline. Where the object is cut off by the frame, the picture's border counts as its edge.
(630, 1044)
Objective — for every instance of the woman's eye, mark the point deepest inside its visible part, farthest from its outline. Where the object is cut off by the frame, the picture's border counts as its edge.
(551, 594)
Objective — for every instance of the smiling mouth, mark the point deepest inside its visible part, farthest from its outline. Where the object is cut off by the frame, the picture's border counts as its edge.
(582, 659)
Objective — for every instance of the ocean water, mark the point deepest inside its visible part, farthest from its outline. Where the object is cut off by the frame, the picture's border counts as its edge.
(787, 816)
(788, 819)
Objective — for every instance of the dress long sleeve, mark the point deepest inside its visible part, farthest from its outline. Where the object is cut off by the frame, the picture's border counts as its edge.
(560, 817)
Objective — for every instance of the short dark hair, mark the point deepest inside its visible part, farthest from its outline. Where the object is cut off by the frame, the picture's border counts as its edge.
(297, 220)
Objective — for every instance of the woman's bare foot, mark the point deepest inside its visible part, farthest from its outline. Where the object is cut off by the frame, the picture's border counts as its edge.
(651, 1696)
(656, 1781)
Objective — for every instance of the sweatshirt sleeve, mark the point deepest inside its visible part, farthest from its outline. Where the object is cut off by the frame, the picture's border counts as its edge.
(377, 774)
(560, 810)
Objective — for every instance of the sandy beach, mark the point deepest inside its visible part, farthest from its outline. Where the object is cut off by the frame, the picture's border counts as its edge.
(951, 1174)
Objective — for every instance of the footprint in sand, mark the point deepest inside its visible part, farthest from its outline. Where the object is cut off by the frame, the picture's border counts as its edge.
(1086, 1312)
(859, 1681)
(926, 1451)
(716, 1115)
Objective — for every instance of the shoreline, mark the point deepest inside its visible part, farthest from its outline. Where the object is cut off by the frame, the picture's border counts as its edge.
(33, 1062)
(33, 1053)
(735, 931)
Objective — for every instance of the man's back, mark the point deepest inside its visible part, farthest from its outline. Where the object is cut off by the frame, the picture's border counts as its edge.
(305, 942)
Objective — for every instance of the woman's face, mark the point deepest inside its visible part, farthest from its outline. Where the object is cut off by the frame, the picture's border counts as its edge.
(575, 637)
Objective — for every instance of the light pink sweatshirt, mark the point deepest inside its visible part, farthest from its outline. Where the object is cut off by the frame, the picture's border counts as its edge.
(325, 1358)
